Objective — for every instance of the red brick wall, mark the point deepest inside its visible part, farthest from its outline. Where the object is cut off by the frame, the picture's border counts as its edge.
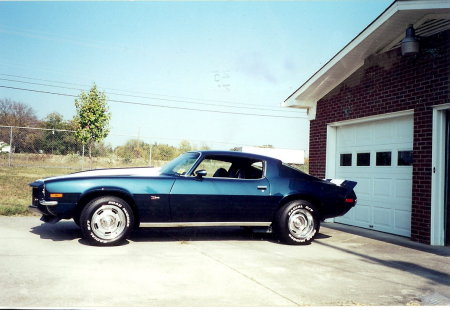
(388, 83)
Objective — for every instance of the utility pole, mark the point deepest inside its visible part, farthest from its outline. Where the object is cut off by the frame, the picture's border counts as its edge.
(10, 145)
(150, 155)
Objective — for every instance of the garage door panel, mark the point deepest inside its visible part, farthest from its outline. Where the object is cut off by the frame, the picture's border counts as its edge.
(383, 189)
(363, 136)
(364, 185)
(357, 215)
(402, 222)
(403, 131)
(404, 189)
(383, 134)
(348, 217)
(347, 137)
(382, 216)
(362, 214)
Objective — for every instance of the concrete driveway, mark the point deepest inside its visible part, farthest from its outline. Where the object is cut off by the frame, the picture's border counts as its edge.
(45, 265)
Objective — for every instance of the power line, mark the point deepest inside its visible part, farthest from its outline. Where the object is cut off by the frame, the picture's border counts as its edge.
(146, 97)
(179, 99)
(155, 105)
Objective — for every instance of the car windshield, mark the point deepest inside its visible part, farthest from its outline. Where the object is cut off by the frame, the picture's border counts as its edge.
(180, 165)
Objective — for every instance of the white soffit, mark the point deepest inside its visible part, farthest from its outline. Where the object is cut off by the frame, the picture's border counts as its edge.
(382, 34)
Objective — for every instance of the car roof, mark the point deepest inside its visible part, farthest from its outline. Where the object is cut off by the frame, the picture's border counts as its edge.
(237, 154)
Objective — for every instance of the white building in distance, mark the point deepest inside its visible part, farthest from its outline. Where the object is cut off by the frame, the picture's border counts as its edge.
(285, 155)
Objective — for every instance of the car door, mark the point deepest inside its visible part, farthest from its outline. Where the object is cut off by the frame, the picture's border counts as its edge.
(220, 199)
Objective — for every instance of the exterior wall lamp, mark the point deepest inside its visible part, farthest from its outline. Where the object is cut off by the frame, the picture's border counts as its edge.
(410, 44)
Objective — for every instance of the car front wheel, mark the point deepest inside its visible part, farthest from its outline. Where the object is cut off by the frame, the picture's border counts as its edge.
(297, 222)
(106, 221)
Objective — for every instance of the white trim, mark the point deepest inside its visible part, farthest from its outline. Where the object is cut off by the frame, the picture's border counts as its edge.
(438, 176)
(441, 107)
(424, 5)
(205, 224)
(330, 168)
(372, 118)
(291, 101)
(370, 41)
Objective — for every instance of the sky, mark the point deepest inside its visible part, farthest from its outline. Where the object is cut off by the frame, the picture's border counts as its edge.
(211, 72)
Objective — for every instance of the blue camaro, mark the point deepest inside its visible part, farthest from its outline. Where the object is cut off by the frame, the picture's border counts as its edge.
(205, 188)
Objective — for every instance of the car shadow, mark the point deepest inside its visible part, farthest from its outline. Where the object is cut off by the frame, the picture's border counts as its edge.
(321, 236)
(61, 231)
(68, 230)
(185, 234)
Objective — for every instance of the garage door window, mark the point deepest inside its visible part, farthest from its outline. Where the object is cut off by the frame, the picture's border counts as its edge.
(383, 158)
(405, 158)
(346, 160)
(363, 159)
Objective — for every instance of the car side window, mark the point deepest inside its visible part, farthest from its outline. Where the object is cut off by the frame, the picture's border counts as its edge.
(256, 170)
(248, 170)
(231, 167)
(215, 168)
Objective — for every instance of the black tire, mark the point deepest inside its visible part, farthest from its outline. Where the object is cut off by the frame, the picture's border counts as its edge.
(106, 221)
(297, 222)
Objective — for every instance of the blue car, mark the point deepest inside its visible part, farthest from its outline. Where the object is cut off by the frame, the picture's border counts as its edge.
(204, 188)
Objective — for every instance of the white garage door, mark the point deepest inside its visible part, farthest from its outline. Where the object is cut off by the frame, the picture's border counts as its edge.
(378, 155)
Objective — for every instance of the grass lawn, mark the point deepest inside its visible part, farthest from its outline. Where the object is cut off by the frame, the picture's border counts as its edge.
(16, 194)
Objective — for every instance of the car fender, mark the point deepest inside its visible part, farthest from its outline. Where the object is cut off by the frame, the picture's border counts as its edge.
(106, 190)
(315, 201)
(100, 191)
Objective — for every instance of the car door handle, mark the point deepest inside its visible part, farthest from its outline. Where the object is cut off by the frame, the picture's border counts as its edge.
(262, 187)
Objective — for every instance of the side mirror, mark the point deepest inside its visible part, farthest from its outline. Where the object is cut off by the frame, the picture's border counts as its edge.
(201, 173)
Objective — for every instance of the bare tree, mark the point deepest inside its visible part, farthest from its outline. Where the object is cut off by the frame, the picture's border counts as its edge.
(13, 113)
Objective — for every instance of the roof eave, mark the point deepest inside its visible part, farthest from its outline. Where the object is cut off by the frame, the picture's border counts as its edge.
(370, 41)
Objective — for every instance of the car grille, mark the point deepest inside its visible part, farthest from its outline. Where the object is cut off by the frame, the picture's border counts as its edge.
(37, 195)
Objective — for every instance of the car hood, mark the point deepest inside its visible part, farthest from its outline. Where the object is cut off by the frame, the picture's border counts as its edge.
(144, 171)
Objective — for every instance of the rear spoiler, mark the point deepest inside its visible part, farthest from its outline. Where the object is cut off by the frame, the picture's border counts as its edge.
(343, 183)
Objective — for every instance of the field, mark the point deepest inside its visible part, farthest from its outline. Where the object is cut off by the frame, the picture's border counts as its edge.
(74, 161)
(19, 170)
(16, 194)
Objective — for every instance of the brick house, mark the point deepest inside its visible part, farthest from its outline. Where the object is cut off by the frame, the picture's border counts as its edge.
(383, 119)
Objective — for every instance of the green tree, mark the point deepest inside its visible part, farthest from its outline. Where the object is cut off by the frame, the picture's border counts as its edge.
(185, 146)
(204, 147)
(100, 149)
(133, 149)
(92, 119)
(164, 152)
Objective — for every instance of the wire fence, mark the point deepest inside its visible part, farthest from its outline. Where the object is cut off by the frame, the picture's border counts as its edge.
(58, 148)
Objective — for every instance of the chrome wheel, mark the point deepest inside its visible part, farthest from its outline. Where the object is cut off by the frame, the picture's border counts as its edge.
(108, 222)
(301, 224)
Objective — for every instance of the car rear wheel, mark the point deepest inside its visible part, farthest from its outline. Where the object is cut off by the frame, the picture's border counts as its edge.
(297, 222)
(106, 221)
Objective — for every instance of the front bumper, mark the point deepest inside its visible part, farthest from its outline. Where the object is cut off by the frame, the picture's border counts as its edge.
(45, 208)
